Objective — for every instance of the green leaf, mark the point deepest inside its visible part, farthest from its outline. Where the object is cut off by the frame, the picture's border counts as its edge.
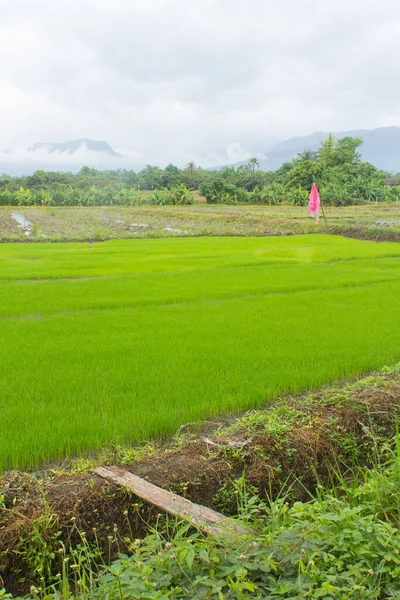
(204, 555)
(190, 558)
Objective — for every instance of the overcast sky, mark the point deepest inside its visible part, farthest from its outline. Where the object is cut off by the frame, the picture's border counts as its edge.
(209, 80)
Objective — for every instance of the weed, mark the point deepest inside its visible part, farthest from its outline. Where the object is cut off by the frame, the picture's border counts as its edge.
(37, 548)
(345, 543)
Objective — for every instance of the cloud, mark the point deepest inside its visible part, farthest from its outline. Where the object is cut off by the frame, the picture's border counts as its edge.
(176, 80)
(236, 153)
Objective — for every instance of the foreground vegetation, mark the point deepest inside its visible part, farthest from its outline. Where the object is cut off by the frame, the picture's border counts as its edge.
(316, 483)
(128, 340)
(344, 544)
(344, 179)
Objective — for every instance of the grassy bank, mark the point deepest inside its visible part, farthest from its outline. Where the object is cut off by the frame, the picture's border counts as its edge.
(316, 481)
(344, 544)
(125, 341)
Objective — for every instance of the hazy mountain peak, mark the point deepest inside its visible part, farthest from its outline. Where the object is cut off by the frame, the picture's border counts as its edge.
(73, 146)
(381, 147)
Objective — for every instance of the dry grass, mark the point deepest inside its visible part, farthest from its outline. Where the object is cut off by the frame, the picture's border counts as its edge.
(82, 223)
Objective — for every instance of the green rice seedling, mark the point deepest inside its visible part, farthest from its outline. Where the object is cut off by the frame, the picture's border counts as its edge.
(127, 340)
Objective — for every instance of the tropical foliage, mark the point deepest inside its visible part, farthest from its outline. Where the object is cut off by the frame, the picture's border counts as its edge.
(343, 179)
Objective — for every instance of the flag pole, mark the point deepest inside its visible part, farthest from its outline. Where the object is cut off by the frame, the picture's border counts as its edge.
(322, 206)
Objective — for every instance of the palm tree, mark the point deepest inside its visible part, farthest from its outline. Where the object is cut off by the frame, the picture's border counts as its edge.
(254, 164)
(191, 167)
(307, 155)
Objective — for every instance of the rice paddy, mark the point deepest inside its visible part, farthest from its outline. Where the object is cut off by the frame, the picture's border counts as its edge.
(126, 340)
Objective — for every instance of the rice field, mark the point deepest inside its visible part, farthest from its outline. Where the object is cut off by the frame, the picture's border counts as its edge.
(126, 340)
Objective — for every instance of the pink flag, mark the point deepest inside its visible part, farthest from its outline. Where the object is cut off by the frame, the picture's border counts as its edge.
(314, 203)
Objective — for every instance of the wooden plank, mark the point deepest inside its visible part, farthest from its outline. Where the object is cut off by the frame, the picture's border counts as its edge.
(206, 519)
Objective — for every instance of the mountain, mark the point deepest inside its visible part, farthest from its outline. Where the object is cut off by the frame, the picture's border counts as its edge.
(381, 148)
(66, 156)
(74, 146)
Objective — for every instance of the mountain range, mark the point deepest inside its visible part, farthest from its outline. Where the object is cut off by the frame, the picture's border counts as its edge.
(381, 147)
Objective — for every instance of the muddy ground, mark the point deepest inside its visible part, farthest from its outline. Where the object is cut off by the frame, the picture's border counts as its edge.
(378, 222)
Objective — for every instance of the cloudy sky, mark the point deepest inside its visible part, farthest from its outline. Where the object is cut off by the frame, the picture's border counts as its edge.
(209, 80)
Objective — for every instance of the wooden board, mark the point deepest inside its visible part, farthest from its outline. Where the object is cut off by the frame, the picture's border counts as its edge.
(206, 519)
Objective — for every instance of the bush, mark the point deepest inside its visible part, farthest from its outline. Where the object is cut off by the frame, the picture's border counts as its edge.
(221, 192)
(160, 198)
(181, 195)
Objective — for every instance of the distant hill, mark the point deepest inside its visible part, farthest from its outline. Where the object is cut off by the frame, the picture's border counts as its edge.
(381, 148)
(64, 156)
(74, 146)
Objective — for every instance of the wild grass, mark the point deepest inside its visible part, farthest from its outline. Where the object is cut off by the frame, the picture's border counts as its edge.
(127, 340)
(343, 543)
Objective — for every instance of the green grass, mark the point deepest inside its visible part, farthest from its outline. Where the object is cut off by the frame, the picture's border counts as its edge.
(129, 339)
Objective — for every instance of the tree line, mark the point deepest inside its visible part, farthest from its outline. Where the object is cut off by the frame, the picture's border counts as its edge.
(342, 177)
